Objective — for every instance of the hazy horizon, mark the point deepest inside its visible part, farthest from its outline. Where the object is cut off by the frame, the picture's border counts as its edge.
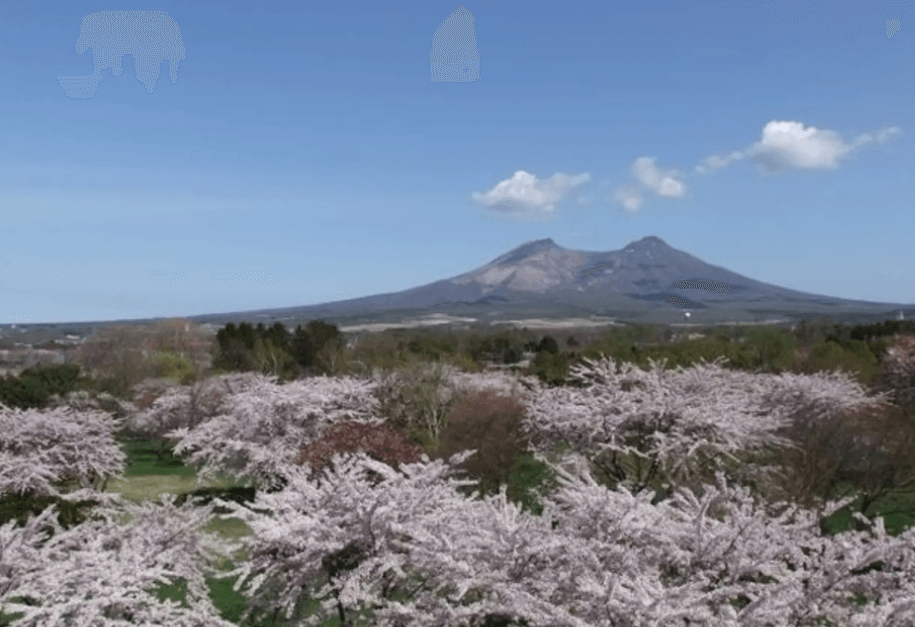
(304, 155)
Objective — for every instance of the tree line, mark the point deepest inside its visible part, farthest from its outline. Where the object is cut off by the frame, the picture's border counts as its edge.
(307, 350)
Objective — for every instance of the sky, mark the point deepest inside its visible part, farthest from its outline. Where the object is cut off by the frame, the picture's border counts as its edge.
(288, 154)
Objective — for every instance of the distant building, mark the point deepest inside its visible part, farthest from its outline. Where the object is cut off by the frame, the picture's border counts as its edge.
(900, 316)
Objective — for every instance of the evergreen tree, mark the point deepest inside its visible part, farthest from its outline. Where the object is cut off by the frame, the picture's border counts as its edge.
(303, 348)
(548, 344)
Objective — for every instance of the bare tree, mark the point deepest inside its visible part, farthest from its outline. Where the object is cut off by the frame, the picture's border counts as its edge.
(128, 353)
(897, 374)
(114, 353)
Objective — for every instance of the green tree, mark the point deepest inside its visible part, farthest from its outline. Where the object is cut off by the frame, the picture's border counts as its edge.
(309, 341)
(270, 359)
(824, 357)
(810, 332)
(179, 368)
(234, 353)
(322, 333)
(280, 336)
(303, 347)
(774, 348)
(34, 386)
(551, 368)
(548, 344)
(247, 335)
(511, 356)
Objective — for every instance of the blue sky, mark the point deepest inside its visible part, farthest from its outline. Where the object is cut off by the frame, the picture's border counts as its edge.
(304, 155)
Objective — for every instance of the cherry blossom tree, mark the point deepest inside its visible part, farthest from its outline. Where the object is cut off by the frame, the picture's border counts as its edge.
(405, 547)
(100, 572)
(596, 556)
(265, 425)
(659, 427)
(41, 448)
(182, 406)
(106, 573)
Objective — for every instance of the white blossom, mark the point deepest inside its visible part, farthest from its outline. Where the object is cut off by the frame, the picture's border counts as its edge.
(712, 553)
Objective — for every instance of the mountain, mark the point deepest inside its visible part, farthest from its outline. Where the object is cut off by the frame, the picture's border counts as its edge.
(646, 281)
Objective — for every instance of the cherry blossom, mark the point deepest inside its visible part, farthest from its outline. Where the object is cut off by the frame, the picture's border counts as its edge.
(710, 553)
(106, 573)
(674, 424)
(40, 448)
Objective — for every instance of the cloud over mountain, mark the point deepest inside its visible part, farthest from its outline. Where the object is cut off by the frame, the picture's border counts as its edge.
(524, 193)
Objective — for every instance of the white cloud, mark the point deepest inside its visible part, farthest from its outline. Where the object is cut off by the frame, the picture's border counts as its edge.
(660, 182)
(650, 178)
(630, 197)
(716, 162)
(524, 193)
(784, 145)
(880, 137)
(792, 146)
(788, 145)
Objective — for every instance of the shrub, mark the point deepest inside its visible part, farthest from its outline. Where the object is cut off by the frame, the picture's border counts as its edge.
(551, 368)
(176, 367)
(511, 356)
(548, 344)
(380, 442)
(490, 423)
(417, 398)
(34, 387)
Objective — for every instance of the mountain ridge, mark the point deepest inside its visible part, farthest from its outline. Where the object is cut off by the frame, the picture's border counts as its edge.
(645, 280)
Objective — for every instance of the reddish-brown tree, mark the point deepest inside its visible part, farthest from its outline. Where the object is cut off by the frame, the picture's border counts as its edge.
(380, 442)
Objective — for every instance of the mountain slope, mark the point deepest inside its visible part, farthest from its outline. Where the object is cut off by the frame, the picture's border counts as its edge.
(646, 278)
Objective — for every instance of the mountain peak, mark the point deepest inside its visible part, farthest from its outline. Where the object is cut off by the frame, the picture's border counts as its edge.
(543, 242)
(526, 250)
(650, 242)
